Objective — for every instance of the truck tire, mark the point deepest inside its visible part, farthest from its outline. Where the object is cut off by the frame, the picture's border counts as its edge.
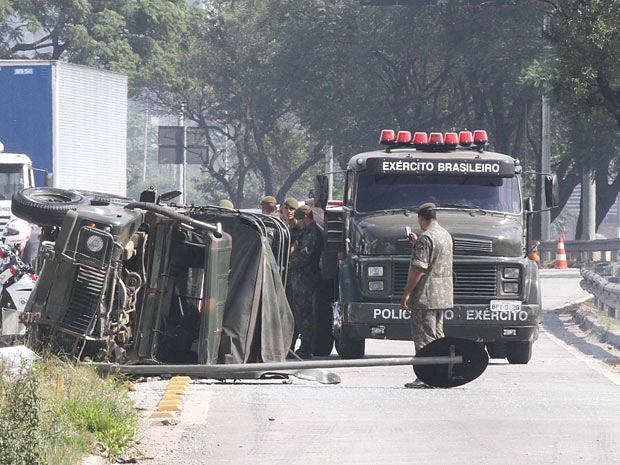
(324, 319)
(349, 348)
(497, 349)
(45, 206)
(519, 352)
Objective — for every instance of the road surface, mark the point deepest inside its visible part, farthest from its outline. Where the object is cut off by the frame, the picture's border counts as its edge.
(561, 408)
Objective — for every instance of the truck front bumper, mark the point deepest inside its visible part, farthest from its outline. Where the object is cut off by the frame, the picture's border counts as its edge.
(469, 321)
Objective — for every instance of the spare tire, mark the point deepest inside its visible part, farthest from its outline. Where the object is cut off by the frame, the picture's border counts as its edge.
(45, 206)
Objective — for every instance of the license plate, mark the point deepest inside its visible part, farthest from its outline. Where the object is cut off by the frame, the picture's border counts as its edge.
(506, 305)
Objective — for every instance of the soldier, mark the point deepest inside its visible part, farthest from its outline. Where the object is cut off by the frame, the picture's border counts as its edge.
(287, 214)
(225, 203)
(305, 276)
(268, 205)
(430, 280)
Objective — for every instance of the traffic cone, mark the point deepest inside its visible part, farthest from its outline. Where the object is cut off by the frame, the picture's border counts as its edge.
(560, 256)
(534, 255)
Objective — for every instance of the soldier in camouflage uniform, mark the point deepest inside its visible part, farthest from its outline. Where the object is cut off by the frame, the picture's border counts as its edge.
(429, 288)
(287, 214)
(305, 276)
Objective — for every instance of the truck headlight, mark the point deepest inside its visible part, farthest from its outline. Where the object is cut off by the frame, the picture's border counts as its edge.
(511, 273)
(511, 288)
(94, 243)
(375, 271)
(375, 285)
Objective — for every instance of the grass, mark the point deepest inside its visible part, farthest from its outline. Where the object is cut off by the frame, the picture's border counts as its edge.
(603, 318)
(90, 414)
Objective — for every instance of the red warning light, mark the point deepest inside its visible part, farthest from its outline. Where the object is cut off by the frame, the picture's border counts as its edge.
(387, 137)
(481, 138)
(403, 137)
(436, 138)
(420, 138)
(466, 138)
(451, 138)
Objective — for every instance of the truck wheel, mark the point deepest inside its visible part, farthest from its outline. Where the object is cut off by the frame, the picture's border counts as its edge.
(45, 206)
(519, 352)
(497, 349)
(349, 348)
(324, 319)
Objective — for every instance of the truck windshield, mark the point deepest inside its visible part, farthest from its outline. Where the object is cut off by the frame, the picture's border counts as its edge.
(11, 180)
(395, 191)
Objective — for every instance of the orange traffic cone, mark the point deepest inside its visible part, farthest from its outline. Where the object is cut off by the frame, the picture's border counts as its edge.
(534, 255)
(560, 256)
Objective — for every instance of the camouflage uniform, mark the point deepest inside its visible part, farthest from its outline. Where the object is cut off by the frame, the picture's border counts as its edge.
(305, 275)
(432, 253)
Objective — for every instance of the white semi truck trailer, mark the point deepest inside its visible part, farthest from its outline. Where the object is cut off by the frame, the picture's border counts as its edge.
(61, 125)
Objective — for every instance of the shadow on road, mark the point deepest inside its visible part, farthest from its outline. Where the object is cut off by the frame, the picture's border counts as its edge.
(553, 322)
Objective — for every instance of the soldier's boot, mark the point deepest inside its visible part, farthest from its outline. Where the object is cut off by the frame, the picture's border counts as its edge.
(417, 384)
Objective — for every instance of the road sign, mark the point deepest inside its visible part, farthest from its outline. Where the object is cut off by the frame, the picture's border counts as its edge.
(173, 139)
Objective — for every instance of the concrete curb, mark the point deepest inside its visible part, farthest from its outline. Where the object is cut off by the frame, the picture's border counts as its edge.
(589, 323)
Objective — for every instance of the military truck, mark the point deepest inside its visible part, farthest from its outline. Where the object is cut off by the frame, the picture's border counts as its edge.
(155, 282)
(479, 201)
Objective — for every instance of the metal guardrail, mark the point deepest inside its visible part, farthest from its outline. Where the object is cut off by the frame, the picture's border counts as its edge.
(583, 251)
(604, 288)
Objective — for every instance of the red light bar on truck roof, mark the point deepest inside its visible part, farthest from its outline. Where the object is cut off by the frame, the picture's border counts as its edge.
(436, 142)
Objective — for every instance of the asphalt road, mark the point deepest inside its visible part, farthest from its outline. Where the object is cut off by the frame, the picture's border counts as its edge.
(561, 408)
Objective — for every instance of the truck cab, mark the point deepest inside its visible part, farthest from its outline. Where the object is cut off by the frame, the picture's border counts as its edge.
(497, 297)
(15, 174)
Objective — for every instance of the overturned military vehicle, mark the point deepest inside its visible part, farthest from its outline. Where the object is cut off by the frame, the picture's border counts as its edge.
(156, 282)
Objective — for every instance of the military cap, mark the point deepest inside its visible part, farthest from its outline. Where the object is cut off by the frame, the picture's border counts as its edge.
(292, 202)
(302, 212)
(225, 203)
(427, 205)
(268, 199)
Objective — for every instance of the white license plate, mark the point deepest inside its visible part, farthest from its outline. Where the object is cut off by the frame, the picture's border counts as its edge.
(506, 305)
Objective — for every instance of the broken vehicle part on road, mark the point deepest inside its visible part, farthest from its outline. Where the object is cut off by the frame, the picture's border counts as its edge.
(445, 363)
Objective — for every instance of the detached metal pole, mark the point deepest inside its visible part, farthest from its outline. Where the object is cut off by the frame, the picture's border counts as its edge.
(217, 371)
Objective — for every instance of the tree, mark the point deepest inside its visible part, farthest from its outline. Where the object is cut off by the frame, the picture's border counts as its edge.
(121, 35)
(586, 39)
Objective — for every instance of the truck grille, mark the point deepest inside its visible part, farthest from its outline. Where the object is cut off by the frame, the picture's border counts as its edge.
(472, 247)
(472, 279)
(475, 247)
(84, 302)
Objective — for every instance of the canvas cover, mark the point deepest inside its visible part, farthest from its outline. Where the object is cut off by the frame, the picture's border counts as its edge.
(258, 322)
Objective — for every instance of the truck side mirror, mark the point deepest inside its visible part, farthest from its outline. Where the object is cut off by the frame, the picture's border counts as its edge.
(49, 179)
(552, 191)
(528, 204)
(321, 189)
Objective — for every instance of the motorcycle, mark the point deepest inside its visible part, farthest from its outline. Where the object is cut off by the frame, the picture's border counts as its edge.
(17, 281)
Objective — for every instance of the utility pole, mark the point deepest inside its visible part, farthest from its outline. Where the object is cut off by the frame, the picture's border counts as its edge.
(183, 164)
(588, 193)
(146, 141)
(329, 168)
(545, 154)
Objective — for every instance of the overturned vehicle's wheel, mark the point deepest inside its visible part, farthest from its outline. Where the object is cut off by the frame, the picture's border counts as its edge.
(45, 206)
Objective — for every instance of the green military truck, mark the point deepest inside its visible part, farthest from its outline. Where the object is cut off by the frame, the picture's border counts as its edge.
(497, 298)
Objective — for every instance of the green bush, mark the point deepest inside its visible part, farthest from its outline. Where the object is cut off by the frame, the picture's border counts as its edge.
(20, 419)
(37, 426)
